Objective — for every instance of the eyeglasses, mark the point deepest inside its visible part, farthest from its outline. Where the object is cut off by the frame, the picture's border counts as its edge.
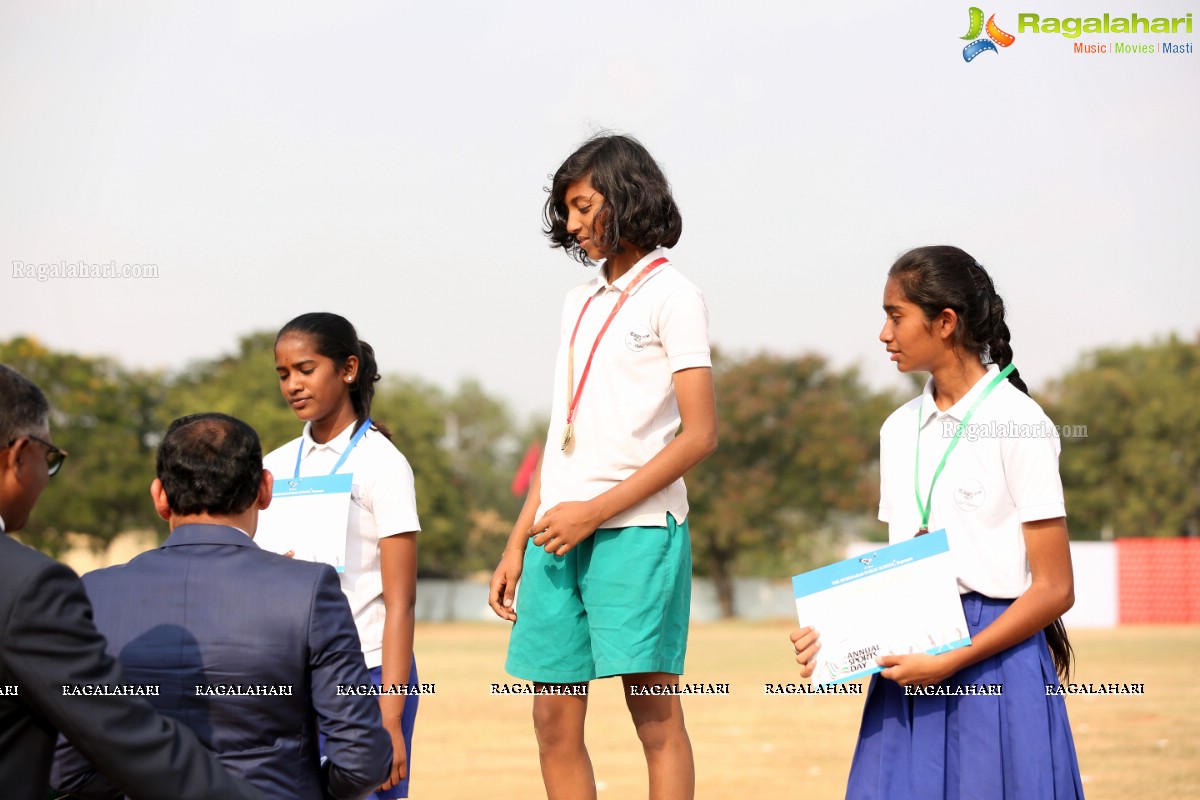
(55, 456)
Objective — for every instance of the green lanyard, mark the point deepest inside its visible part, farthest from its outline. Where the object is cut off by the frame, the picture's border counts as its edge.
(925, 507)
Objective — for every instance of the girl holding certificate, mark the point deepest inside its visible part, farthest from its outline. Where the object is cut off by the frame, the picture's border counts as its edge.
(602, 540)
(327, 376)
(975, 455)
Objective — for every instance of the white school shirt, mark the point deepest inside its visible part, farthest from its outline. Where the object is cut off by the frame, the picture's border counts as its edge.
(383, 502)
(627, 412)
(1003, 471)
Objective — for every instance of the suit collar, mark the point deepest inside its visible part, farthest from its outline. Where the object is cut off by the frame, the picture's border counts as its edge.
(208, 534)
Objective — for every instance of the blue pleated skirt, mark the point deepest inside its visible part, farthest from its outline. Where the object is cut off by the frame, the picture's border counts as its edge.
(1014, 746)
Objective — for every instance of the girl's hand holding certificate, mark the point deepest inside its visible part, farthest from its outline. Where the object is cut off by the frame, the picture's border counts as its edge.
(805, 642)
(919, 669)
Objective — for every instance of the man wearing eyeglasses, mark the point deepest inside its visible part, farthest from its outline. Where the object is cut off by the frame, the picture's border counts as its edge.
(48, 645)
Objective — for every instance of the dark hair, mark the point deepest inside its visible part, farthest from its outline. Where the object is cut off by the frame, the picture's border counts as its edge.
(940, 277)
(335, 338)
(209, 464)
(23, 407)
(638, 208)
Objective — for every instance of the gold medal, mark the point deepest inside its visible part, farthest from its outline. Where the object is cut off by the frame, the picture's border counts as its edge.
(574, 393)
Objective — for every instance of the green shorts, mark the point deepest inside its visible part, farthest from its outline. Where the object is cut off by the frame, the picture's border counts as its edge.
(617, 604)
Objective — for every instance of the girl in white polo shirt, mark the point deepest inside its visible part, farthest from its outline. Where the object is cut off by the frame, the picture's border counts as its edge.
(602, 540)
(999, 497)
(327, 375)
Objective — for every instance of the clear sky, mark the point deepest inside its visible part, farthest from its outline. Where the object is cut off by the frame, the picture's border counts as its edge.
(387, 161)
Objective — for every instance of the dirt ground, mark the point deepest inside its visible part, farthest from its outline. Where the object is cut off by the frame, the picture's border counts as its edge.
(471, 743)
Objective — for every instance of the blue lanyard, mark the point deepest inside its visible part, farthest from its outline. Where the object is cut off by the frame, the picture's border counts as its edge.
(362, 430)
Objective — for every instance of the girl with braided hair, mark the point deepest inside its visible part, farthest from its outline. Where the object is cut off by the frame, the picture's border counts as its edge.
(924, 733)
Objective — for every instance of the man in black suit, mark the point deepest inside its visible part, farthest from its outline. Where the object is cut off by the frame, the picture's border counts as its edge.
(253, 650)
(48, 642)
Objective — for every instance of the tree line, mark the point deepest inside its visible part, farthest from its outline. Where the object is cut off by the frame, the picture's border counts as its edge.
(796, 472)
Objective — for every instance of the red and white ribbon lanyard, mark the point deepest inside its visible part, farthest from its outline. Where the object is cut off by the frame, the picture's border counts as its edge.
(573, 393)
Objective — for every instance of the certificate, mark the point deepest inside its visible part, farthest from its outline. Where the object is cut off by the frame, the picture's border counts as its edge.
(308, 518)
(896, 600)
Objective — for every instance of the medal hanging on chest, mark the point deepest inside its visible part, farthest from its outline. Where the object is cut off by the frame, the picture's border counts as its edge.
(574, 393)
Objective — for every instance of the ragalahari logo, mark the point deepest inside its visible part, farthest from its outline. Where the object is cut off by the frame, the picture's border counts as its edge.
(995, 36)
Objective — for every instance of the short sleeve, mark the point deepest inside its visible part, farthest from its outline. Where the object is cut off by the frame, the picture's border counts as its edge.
(683, 329)
(1031, 471)
(394, 497)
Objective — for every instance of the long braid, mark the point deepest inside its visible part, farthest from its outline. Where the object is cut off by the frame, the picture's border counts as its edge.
(1000, 350)
(993, 331)
(996, 337)
(939, 277)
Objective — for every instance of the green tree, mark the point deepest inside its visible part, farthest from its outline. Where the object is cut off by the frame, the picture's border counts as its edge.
(485, 449)
(798, 455)
(463, 449)
(1135, 469)
(241, 384)
(244, 385)
(103, 415)
(415, 412)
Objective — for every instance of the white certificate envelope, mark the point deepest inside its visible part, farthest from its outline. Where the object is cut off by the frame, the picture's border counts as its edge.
(308, 516)
(896, 600)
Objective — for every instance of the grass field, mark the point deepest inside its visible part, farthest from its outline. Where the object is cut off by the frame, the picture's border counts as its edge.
(471, 744)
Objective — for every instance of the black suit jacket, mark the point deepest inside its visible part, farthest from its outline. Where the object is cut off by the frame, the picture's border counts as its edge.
(48, 641)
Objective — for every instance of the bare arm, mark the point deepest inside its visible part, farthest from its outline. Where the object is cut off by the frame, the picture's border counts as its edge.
(508, 572)
(398, 569)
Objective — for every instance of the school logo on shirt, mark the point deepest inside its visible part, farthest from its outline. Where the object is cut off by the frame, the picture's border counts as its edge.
(637, 338)
(969, 495)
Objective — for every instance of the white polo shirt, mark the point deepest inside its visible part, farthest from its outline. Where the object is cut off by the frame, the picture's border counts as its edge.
(383, 502)
(627, 412)
(1004, 471)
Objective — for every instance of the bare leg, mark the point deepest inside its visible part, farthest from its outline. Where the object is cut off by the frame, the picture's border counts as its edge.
(659, 723)
(566, 767)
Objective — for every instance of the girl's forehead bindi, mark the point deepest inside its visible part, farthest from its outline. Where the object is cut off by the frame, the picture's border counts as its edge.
(295, 351)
